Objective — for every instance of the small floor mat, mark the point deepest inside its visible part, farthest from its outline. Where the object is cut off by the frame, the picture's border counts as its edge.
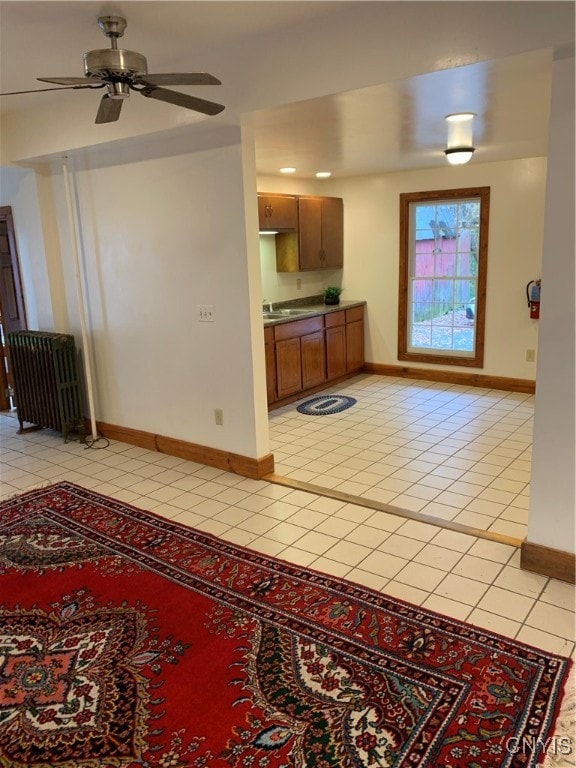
(324, 405)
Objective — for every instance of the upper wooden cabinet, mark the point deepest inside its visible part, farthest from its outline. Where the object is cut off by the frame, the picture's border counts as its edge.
(310, 230)
(277, 212)
(321, 232)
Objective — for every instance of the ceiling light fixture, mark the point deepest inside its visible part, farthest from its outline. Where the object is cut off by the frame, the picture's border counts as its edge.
(459, 149)
(323, 174)
(288, 170)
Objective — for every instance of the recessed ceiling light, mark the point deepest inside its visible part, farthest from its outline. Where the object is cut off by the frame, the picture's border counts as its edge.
(287, 170)
(323, 174)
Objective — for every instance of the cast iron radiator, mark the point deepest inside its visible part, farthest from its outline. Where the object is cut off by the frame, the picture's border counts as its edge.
(46, 384)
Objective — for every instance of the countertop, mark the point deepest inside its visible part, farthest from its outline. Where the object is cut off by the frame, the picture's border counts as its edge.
(314, 309)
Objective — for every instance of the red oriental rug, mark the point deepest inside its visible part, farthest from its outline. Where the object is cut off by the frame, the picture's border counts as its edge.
(127, 640)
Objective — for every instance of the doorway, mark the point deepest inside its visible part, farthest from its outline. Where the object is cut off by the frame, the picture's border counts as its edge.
(12, 309)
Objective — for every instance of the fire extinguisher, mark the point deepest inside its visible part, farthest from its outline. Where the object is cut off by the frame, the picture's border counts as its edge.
(533, 298)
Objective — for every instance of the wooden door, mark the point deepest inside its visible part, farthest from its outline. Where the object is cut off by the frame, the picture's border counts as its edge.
(310, 232)
(313, 359)
(12, 310)
(288, 367)
(332, 232)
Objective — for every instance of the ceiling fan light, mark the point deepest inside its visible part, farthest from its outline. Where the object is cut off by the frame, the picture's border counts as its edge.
(459, 155)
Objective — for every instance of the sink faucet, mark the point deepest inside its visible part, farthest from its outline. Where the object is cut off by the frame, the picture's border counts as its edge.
(269, 303)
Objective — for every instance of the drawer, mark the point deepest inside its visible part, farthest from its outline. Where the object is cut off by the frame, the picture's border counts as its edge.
(335, 318)
(356, 313)
(298, 328)
(268, 335)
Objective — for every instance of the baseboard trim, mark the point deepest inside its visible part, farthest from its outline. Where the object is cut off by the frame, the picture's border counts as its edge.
(212, 457)
(554, 563)
(527, 386)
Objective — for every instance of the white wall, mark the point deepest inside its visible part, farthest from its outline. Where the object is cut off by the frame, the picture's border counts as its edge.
(552, 515)
(371, 248)
(152, 250)
(514, 254)
(18, 189)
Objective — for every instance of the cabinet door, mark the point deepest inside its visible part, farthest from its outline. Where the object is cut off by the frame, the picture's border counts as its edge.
(288, 367)
(332, 233)
(336, 352)
(277, 212)
(313, 356)
(310, 232)
(270, 371)
(355, 345)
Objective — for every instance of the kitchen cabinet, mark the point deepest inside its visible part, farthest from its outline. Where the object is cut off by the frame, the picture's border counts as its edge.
(307, 353)
(288, 367)
(277, 212)
(354, 339)
(270, 351)
(336, 344)
(318, 242)
(313, 359)
(299, 355)
(321, 232)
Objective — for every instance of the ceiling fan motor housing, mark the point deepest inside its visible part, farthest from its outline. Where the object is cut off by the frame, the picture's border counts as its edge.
(114, 63)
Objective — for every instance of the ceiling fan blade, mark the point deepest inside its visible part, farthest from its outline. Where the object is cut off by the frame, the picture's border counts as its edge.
(109, 109)
(70, 80)
(59, 88)
(183, 100)
(180, 78)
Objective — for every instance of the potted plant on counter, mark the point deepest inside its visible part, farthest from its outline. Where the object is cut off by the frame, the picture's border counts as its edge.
(332, 294)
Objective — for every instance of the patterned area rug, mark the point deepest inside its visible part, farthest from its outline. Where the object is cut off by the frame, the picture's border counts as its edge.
(324, 405)
(127, 640)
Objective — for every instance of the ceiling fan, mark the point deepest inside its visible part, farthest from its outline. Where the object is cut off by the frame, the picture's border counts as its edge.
(121, 71)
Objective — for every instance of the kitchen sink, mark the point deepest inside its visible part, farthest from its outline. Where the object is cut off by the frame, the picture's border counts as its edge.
(278, 314)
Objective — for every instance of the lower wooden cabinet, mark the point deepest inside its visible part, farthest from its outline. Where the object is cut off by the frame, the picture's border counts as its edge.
(269, 347)
(336, 345)
(354, 339)
(313, 359)
(288, 367)
(304, 354)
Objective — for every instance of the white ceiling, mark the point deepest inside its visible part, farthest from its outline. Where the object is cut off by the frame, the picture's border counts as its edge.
(401, 125)
(388, 127)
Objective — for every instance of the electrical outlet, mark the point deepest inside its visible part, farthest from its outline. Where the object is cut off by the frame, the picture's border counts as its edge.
(298, 284)
(205, 313)
(219, 416)
(530, 355)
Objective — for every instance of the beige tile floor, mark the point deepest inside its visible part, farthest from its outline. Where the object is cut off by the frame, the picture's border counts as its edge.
(454, 573)
(457, 453)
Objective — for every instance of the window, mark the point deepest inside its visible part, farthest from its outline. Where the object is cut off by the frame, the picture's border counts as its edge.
(443, 259)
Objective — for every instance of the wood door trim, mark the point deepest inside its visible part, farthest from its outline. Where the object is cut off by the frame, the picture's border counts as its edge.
(18, 298)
